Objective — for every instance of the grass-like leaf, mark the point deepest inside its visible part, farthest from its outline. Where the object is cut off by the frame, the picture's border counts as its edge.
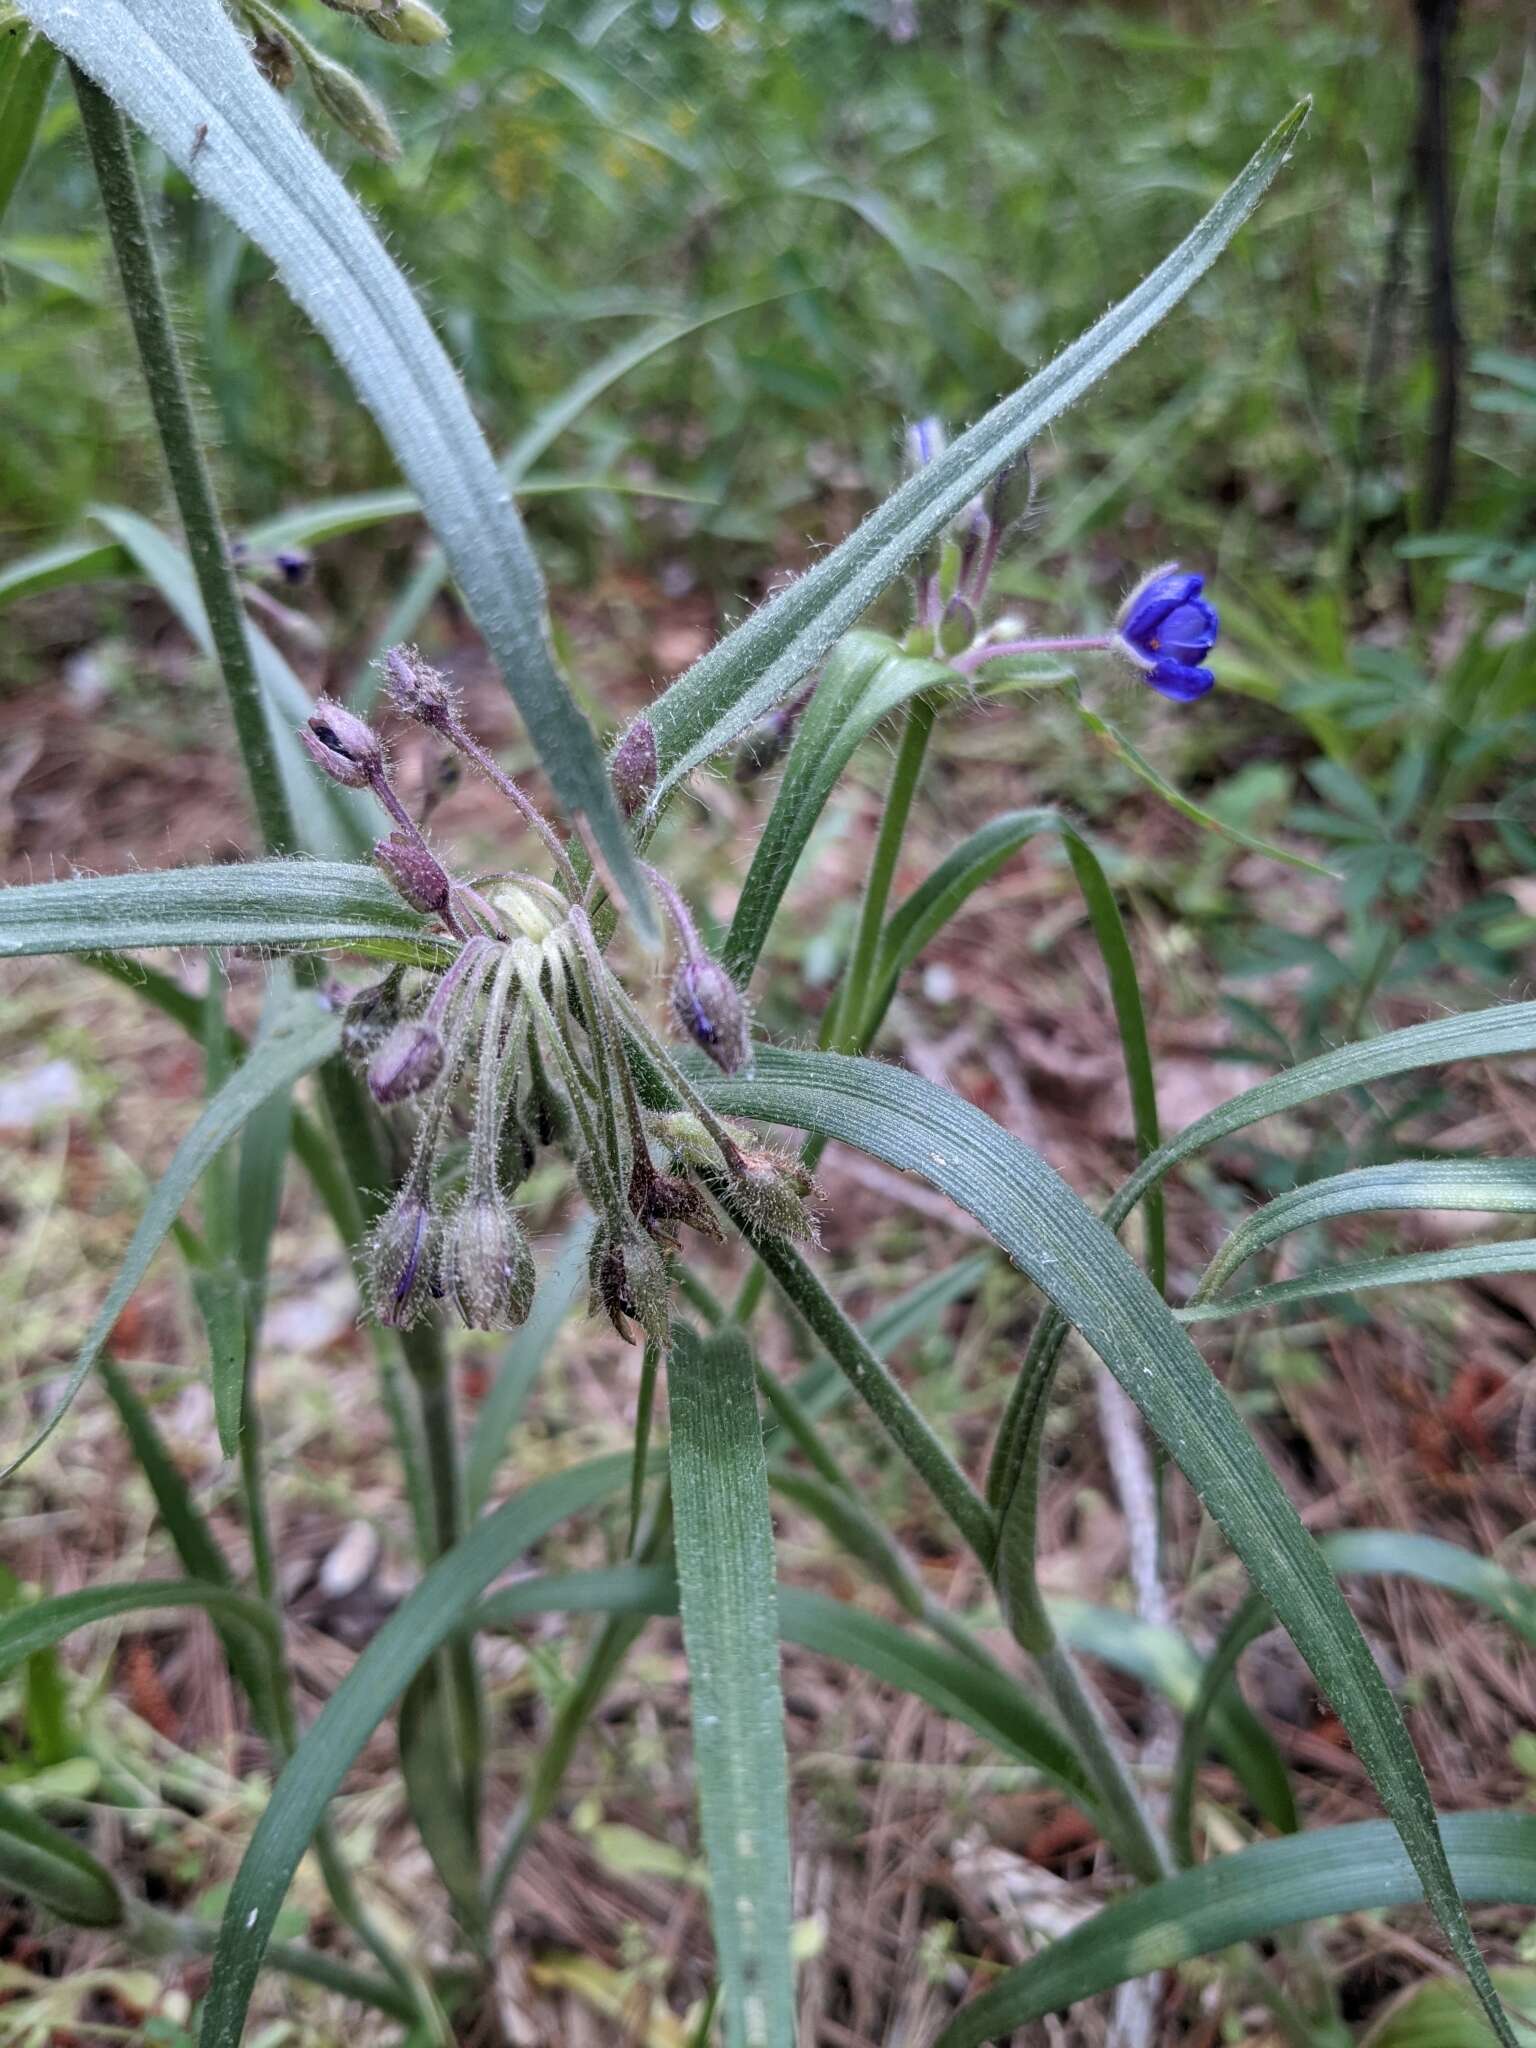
(42, 1622)
(42, 1862)
(250, 903)
(725, 1573)
(293, 1043)
(1408, 1269)
(178, 68)
(1490, 1185)
(378, 1678)
(1244, 1897)
(1048, 1232)
(750, 670)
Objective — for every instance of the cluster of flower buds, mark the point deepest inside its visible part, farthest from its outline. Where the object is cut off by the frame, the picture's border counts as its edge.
(525, 1039)
(1165, 628)
(279, 51)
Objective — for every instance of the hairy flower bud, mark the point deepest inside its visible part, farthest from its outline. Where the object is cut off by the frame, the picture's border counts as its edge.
(408, 21)
(485, 1264)
(774, 1193)
(1011, 496)
(370, 1016)
(399, 1261)
(343, 744)
(410, 1059)
(416, 689)
(418, 874)
(957, 628)
(634, 769)
(349, 103)
(709, 1008)
(628, 1279)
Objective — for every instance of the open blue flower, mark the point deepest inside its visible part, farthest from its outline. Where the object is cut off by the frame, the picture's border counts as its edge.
(1167, 628)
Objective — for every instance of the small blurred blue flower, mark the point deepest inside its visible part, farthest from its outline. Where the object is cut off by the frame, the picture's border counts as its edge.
(1167, 628)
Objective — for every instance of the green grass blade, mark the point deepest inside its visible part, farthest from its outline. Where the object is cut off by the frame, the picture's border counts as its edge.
(299, 1040)
(1413, 1269)
(945, 892)
(217, 1281)
(72, 561)
(24, 87)
(1400, 1554)
(750, 670)
(412, 1634)
(48, 1866)
(42, 1622)
(332, 822)
(866, 678)
(1142, 768)
(1048, 1232)
(1491, 1185)
(250, 903)
(1161, 1657)
(180, 70)
(1436, 2014)
(521, 1361)
(725, 1573)
(983, 1697)
(1390, 1553)
(1355, 1869)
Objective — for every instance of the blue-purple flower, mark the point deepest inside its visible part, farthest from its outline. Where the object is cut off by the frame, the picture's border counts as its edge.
(1167, 628)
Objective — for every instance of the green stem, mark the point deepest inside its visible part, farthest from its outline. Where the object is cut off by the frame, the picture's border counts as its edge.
(1134, 1834)
(875, 1385)
(106, 133)
(847, 1020)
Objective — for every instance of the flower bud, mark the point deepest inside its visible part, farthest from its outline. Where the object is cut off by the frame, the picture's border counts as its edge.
(957, 628)
(293, 565)
(356, 6)
(416, 689)
(418, 874)
(398, 1261)
(409, 21)
(709, 1008)
(1011, 495)
(410, 1059)
(628, 1279)
(634, 769)
(774, 1193)
(349, 102)
(370, 1016)
(486, 1266)
(343, 744)
(688, 1141)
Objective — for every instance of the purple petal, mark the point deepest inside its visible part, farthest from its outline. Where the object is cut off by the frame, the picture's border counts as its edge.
(1180, 681)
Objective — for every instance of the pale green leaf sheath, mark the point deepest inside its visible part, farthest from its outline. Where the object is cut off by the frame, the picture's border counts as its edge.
(180, 71)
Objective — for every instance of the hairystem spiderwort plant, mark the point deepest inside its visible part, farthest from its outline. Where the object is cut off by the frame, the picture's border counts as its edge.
(499, 1030)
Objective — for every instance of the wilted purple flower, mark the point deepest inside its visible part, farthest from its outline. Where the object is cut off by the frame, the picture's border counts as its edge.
(410, 1059)
(708, 1006)
(1167, 628)
(635, 768)
(343, 744)
(416, 688)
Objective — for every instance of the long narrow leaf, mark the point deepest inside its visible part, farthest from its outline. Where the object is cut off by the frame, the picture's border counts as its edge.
(1413, 1269)
(1491, 1185)
(1046, 1229)
(1245, 1897)
(750, 670)
(179, 69)
(249, 903)
(41, 1622)
(45, 1864)
(725, 1575)
(293, 1044)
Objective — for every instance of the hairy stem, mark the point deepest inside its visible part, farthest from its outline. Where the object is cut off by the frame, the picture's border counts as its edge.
(106, 133)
